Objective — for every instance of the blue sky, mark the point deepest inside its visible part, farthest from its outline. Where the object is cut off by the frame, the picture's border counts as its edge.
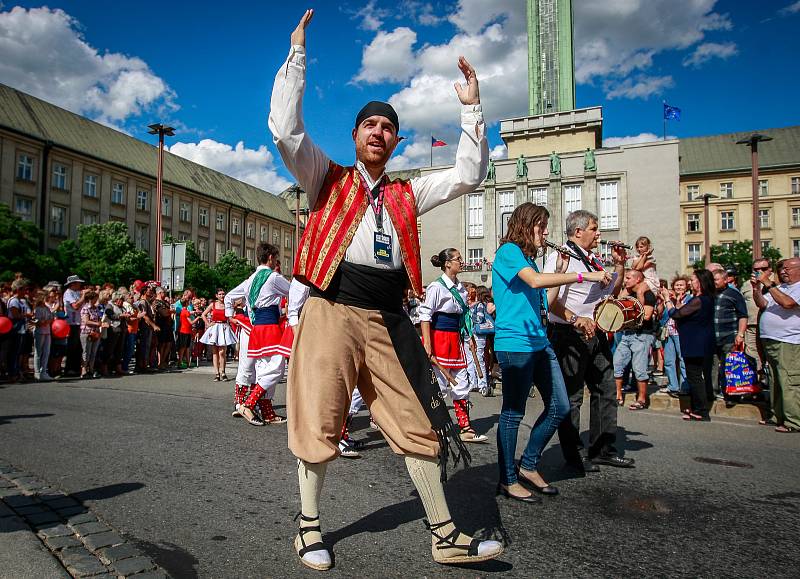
(208, 69)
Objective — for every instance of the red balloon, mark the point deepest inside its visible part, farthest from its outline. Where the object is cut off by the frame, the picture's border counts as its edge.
(5, 325)
(60, 329)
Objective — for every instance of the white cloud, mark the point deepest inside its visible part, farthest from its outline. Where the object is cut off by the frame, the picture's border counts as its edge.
(640, 87)
(499, 152)
(420, 12)
(371, 16)
(253, 166)
(388, 57)
(793, 8)
(617, 37)
(708, 50)
(632, 139)
(45, 54)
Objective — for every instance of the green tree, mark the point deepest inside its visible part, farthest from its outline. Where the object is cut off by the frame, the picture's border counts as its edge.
(106, 253)
(232, 270)
(739, 254)
(19, 245)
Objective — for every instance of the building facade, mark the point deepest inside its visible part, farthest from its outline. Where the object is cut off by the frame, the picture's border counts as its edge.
(717, 166)
(59, 170)
(634, 191)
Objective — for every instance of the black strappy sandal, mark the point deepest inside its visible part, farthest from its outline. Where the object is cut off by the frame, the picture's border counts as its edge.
(301, 547)
(449, 542)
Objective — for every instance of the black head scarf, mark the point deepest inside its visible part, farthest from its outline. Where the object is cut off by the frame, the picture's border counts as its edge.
(381, 109)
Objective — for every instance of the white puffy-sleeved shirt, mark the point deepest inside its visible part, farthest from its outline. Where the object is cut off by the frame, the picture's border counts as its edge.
(309, 164)
(439, 299)
(298, 294)
(275, 288)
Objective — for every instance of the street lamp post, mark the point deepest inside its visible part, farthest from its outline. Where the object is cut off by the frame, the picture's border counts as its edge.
(161, 131)
(296, 190)
(706, 243)
(752, 141)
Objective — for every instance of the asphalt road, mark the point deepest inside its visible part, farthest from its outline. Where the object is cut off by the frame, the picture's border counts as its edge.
(160, 459)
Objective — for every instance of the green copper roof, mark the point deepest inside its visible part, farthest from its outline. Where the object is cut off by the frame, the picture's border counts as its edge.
(32, 117)
(720, 153)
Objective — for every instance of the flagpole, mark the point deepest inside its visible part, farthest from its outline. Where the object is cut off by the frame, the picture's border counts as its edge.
(664, 114)
(431, 149)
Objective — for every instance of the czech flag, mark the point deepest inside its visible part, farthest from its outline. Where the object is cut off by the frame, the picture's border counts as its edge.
(437, 143)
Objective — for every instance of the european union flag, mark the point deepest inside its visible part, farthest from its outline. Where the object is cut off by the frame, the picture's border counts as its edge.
(671, 113)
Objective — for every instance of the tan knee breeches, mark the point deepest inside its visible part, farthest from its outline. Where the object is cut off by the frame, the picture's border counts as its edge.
(337, 348)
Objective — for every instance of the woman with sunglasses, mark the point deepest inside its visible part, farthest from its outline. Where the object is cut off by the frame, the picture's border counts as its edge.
(445, 323)
(218, 334)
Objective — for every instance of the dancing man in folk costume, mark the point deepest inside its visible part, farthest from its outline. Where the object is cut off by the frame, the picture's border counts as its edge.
(359, 251)
(446, 329)
(262, 293)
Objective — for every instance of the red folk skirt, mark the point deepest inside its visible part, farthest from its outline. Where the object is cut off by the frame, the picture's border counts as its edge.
(265, 340)
(448, 349)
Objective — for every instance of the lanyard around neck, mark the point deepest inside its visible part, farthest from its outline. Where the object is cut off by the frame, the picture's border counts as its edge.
(376, 201)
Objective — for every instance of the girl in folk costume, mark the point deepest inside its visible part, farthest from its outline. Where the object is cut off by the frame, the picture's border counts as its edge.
(218, 334)
(263, 292)
(446, 323)
(246, 372)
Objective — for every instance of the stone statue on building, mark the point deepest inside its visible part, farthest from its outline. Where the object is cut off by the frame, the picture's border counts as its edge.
(522, 167)
(490, 174)
(589, 162)
(555, 164)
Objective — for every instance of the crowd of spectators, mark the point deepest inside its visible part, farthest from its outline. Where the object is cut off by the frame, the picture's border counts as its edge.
(88, 331)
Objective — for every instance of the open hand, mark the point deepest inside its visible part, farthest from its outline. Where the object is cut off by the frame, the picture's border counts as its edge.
(299, 33)
(618, 255)
(469, 94)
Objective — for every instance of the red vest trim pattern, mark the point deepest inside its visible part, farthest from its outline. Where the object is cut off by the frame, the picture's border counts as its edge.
(339, 209)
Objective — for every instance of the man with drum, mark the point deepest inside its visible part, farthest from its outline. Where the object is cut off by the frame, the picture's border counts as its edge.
(584, 353)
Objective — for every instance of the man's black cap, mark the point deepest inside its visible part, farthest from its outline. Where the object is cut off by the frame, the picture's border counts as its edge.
(381, 109)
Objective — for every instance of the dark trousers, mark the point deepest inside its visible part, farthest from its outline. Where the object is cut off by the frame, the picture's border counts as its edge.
(74, 350)
(699, 376)
(586, 362)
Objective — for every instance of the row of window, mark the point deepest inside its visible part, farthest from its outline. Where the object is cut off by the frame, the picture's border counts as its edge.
(694, 251)
(608, 204)
(726, 189)
(727, 220)
(23, 207)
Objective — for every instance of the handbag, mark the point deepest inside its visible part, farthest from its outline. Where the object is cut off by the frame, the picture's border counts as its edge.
(740, 373)
(93, 336)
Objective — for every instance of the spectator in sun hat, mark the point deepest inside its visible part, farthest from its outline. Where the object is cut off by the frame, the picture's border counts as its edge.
(74, 299)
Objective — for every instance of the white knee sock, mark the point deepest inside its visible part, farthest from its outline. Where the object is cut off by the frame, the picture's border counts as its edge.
(425, 474)
(311, 477)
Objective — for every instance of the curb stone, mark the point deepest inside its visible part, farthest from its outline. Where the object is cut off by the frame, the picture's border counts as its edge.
(68, 531)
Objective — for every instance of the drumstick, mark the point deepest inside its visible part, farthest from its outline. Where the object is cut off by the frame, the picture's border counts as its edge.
(450, 380)
(473, 348)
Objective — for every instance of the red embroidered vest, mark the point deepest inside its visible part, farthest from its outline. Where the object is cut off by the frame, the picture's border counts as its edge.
(340, 206)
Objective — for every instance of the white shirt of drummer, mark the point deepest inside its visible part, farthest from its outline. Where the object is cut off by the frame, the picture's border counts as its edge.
(579, 298)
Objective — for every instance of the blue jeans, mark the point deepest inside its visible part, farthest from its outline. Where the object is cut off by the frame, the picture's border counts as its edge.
(633, 349)
(127, 350)
(674, 365)
(520, 371)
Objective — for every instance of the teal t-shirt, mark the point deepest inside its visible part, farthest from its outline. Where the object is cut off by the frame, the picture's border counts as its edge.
(518, 320)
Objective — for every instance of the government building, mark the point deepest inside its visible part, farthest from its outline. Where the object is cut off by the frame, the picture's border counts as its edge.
(556, 159)
(59, 170)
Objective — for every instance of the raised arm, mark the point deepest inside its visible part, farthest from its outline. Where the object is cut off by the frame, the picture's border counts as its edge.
(472, 156)
(301, 156)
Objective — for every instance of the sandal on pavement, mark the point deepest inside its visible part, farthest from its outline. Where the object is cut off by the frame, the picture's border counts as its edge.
(447, 551)
(620, 402)
(468, 434)
(784, 428)
(637, 406)
(250, 415)
(769, 422)
(316, 555)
